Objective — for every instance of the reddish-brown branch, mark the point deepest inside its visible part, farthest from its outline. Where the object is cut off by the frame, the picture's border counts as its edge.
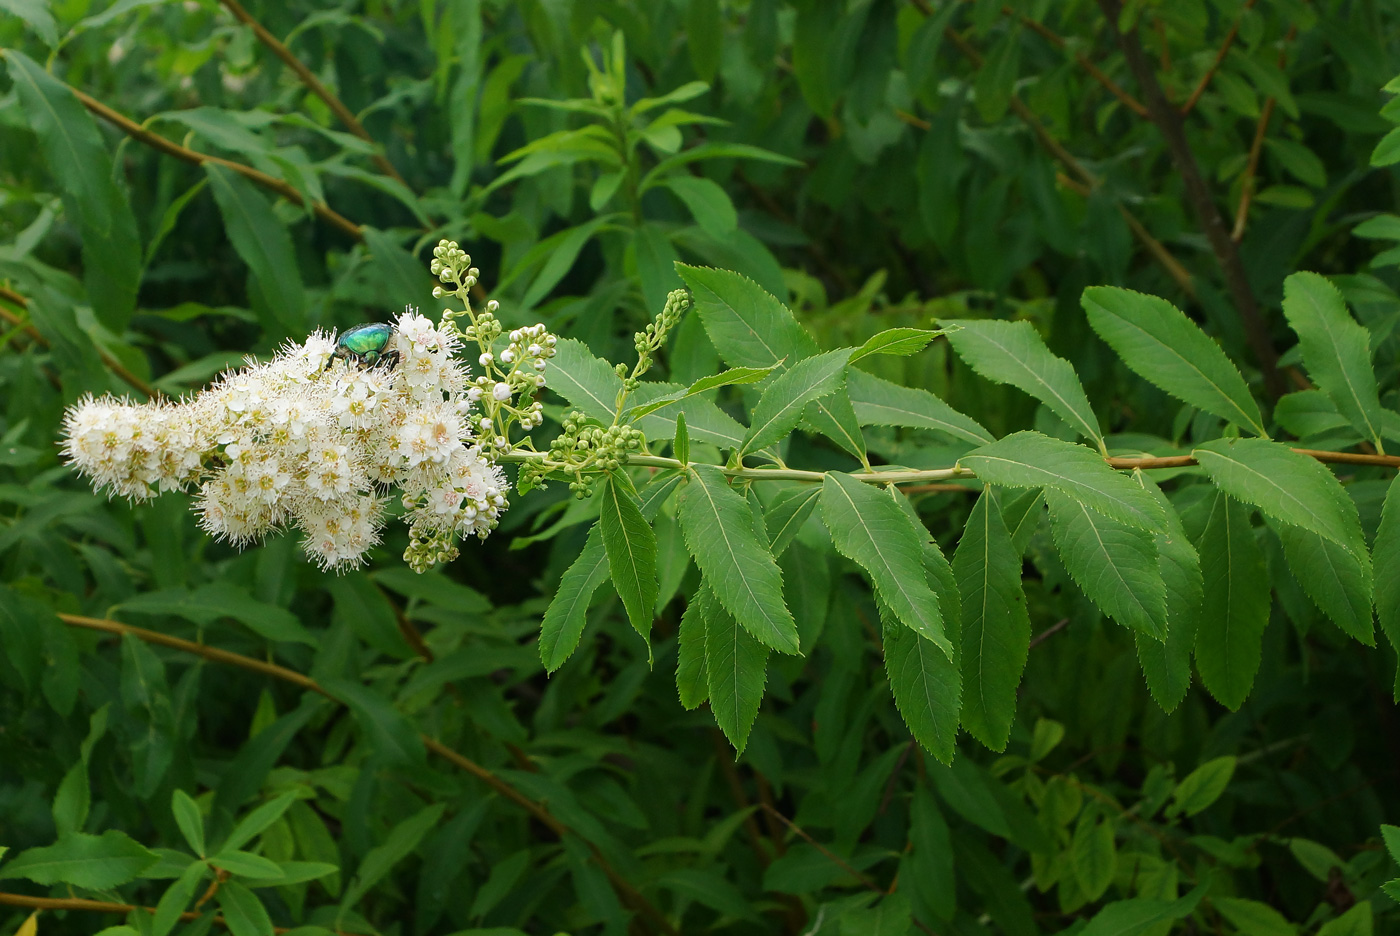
(1185, 461)
(341, 112)
(1214, 66)
(111, 363)
(171, 148)
(1256, 148)
(102, 906)
(1058, 41)
(1169, 123)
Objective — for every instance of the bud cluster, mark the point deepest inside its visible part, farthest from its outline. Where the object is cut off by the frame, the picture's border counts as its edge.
(651, 340)
(583, 449)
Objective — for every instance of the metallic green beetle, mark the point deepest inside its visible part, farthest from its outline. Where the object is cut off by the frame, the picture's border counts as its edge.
(365, 345)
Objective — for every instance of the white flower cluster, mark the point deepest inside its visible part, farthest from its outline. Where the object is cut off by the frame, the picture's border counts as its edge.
(295, 442)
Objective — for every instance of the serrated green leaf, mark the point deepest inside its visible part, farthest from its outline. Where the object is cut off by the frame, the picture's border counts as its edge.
(735, 672)
(1336, 579)
(93, 862)
(732, 376)
(1284, 485)
(1336, 350)
(1014, 353)
(247, 865)
(748, 325)
(926, 685)
(563, 621)
(871, 529)
(1031, 459)
(692, 681)
(176, 898)
(631, 548)
(879, 402)
(785, 516)
(680, 445)
(1114, 564)
(1093, 854)
(900, 341)
(780, 408)
(1158, 341)
(1391, 835)
(1166, 664)
(1386, 556)
(1234, 604)
(834, 417)
(718, 529)
(585, 380)
(996, 629)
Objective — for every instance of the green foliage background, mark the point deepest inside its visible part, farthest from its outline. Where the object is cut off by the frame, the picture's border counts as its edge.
(874, 164)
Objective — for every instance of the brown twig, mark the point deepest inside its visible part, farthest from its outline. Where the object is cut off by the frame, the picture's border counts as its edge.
(1169, 123)
(831, 855)
(1083, 178)
(1049, 632)
(170, 148)
(111, 363)
(102, 906)
(1214, 66)
(341, 112)
(625, 891)
(1256, 149)
(741, 799)
(1055, 39)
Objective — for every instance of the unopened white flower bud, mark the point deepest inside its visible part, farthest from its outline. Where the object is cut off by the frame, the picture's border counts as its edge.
(501, 392)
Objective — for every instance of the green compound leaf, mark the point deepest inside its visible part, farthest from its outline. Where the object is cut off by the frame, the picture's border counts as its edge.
(1114, 564)
(79, 163)
(1386, 555)
(1336, 579)
(1158, 341)
(735, 672)
(879, 402)
(1031, 459)
(631, 548)
(93, 862)
(264, 244)
(870, 528)
(1014, 353)
(1234, 605)
(1166, 664)
(780, 408)
(1336, 350)
(1285, 485)
(925, 683)
(748, 325)
(996, 629)
(566, 616)
(719, 531)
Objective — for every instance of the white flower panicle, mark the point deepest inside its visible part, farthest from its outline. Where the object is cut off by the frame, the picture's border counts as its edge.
(293, 442)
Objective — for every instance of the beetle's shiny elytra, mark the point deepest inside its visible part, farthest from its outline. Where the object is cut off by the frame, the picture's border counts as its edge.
(366, 344)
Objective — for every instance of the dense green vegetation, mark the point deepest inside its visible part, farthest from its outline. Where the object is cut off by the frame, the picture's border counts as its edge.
(959, 499)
